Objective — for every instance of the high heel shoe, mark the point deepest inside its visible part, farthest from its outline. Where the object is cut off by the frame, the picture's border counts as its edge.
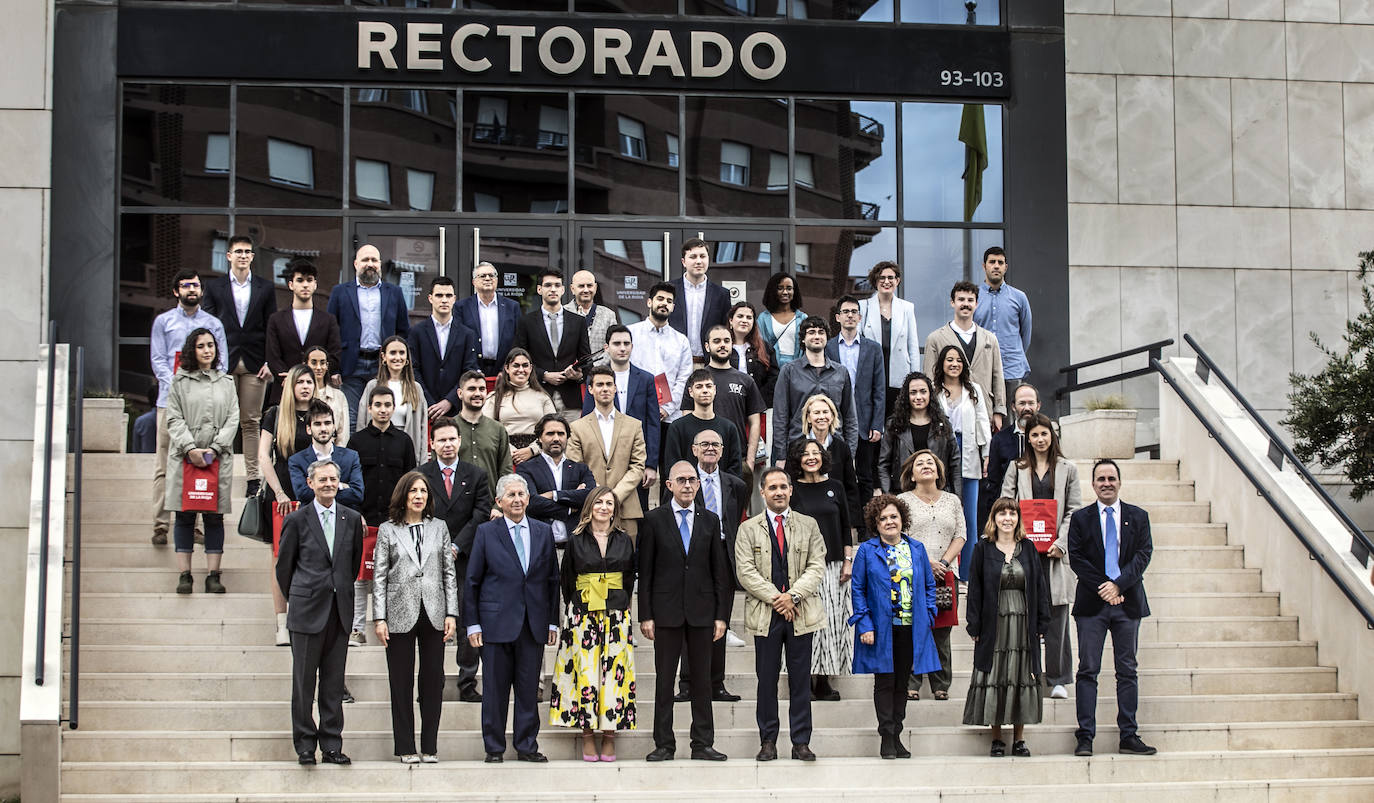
(589, 747)
(608, 747)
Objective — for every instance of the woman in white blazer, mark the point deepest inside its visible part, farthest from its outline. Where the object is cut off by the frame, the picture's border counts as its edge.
(891, 322)
(965, 404)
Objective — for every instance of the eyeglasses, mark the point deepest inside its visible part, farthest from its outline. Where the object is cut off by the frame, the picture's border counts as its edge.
(688, 480)
(242, 252)
(887, 278)
(484, 275)
(710, 444)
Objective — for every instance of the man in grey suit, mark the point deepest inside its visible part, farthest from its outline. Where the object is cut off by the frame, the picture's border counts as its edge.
(321, 549)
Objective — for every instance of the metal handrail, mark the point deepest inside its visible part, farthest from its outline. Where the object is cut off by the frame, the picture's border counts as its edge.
(45, 517)
(78, 448)
(1155, 350)
(1277, 452)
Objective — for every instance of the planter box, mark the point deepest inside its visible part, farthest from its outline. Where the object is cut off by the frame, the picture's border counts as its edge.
(1098, 433)
(103, 425)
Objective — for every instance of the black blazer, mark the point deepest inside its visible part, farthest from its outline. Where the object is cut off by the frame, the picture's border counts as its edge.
(677, 588)
(439, 378)
(310, 577)
(248, 341)
(284, 346)
(566, 506)
(984, 581)
(573, 345)
(1088, 560)
(734, 494)
(469, 506)
(716, 310)
(582, 556)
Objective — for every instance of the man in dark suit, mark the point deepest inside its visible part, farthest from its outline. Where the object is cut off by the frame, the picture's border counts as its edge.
(1109, 549)
(491, 317)
(558, 486)
(863, 359)
(685, 593)
(318, 558)
(512, 582)
(441, 349)
(350, 490)
(701, 303)
(369, 311)
(292, 333)
(556, 338)
(462, 498)
(635, 396)
(243, 303)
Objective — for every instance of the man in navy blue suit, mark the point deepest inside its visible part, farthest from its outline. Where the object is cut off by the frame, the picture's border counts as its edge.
(1109, 548)
(511, 613)
(441, 349)
(863, 358)
(322, 447)
(368, 311)
(558, 486)
(636, 397)
(701, 304)
(491, 317)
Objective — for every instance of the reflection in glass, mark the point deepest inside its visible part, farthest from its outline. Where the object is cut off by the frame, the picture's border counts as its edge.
(934, 162)
(517, 260)
(410, 261)
(403, 143)
(727, 164)
(951, 12)
(175, 145)
(626, 6)
(935, 260)
(626, 155)
(289, 145)
(842, 167)
(737, 8)
(829, 262)
(740, 257)
(860, 10)
(625, 269)
(279, 238)
(515, 150)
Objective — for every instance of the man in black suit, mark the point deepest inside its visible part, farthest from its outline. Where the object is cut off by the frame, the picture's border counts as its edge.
(701, 304)
(293, 332)
(462, 498)
(243, 303)
(441, 349)
(558, 486)
(685, 593)
(318, 559)
(1109, 549)
(556, 338)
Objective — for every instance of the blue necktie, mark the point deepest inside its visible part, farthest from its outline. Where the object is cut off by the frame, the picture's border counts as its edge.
(1113, 548)
(710, 494)
(520, 548)
(683, 530)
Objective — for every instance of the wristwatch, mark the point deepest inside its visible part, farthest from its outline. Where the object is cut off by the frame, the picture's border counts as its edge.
(796, 600)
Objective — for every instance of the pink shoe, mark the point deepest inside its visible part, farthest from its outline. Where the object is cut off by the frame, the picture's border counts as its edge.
(589, 743)
(608, 747)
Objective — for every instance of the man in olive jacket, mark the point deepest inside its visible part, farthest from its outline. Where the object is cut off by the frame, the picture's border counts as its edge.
(779, 560)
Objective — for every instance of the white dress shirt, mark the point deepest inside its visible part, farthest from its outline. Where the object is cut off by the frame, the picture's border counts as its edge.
(695, 299)
(964, 334)
(849, 358)
(663, 351)
(691, 515)
(302, 318)
(622, 387)
(333, 511)
(243, 293)
(607, 425)
(560, 529)
(1102, 522)
(441, 331)
(712, 488)
(489, 320)
(370, 313)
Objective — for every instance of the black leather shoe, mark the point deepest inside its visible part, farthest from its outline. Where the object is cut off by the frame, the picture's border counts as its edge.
(1020, 750)
(999, 748)
(534, 758)
(307, 759)
(348, 696)
(494, 758)
(723, 695)
(708, 754)
(661, 754)
(1135, 747)
(1084, 747)
(768, 751)
(803, 752)
(899, 748)
(469, 696)
(885, 748)
(682, 696)
(335, 757)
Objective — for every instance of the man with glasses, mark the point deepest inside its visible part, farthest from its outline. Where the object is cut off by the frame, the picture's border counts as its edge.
(701, 389)
(556, 339)
(168, 336)
(369, 311)
(491, 316)
(244, 303)
(863, 359)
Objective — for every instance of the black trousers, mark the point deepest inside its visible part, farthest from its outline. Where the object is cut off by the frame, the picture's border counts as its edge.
(512, 665)
(469, 659)
(889, 688)
(400, 675)
(319, 656)
(768, 651)
(866, 469)
(669, 646)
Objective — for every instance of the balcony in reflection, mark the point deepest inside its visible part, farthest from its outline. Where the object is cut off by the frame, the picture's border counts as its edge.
(515, 149)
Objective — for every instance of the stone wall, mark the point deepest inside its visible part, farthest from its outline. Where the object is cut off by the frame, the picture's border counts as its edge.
(1221, 180)
(25, 185)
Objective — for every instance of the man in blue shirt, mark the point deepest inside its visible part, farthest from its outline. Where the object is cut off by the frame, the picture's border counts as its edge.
(1005, 311)
(369, 311)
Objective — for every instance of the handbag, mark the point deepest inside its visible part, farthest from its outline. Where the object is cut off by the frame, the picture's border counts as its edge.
(252, 520)
(944, 595)
(200, 487)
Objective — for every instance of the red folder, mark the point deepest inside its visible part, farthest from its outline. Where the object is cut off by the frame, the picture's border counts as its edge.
(366, 568)
(200, 487)
(665, 393)
(276, 524)
(1040, 518)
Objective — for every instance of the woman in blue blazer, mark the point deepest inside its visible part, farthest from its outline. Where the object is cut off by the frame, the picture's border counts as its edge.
(894, 604)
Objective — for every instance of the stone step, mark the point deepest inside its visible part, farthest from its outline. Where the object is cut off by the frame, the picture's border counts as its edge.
(136, 509)
(1144, 493)
(576, 776)
(1134, 470)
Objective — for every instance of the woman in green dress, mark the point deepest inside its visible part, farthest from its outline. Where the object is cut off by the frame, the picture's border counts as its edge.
(1007, 612)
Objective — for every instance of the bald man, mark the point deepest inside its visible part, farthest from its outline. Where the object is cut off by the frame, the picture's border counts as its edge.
(599, 317)
(369, 311)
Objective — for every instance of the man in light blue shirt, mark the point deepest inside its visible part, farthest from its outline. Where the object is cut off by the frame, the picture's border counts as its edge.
(1005, 311)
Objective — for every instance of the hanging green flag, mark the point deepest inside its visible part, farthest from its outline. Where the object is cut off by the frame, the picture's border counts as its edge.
(973, 133)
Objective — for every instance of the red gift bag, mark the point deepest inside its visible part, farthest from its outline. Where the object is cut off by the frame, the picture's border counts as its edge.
(200, 487)
(366, 568)
(1040, 518)
(276, 524)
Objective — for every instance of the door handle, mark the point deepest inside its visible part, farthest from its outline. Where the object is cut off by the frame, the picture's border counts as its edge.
(443, 251)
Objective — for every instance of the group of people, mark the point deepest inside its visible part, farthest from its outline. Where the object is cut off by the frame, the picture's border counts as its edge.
(530, 477)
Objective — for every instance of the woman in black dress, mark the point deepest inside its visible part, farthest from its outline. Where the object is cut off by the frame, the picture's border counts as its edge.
(916, 423)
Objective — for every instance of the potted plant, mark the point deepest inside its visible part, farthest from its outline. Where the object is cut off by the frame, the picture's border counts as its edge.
(104, 421)
(1106, 428)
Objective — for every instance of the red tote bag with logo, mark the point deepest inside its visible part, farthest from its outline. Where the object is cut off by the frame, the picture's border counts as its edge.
(1040, 518)
(366, 568)
(200, 487)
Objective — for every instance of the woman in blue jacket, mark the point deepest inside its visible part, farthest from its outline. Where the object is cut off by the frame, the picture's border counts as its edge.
(894, 604)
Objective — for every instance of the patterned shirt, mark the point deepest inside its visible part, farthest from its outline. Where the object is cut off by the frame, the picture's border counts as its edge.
(899, 568)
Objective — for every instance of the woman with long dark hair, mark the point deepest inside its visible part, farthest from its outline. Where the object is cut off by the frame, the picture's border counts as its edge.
(519, 402)
(916, 423)
(396, 371)
(780, 324)
(965, 404)
(751, 353)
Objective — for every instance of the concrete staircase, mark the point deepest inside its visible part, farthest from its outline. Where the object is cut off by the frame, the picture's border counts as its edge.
(184, 699)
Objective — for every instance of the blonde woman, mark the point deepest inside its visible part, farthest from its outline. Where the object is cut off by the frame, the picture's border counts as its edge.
(285, 431)
(518, 402)
(820, 417)
(395, 372)
(318, 360)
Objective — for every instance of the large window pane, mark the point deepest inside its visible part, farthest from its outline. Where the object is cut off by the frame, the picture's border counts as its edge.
(175, 145)
(949, 12)
(828, 262)
(290, 141)
(846, 162)
(935, 160)
(415, 132)
(515, 149)
(279, 238)
(626, 160)
(737, 8)
(626, 6)
(728, 161)
(935, 260)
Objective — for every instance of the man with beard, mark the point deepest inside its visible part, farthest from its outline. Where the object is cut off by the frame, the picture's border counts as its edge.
(663, 351)
(737, 396)
(980, 348)
(168, 336)
(1007, 446)
(558, 486)
(369, 311)
(799, 380)
(485, 442)
(599, 317)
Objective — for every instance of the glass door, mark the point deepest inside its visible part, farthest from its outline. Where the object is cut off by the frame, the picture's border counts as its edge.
(741, 259)
(517, 252)
(412, 255)
(626, 262)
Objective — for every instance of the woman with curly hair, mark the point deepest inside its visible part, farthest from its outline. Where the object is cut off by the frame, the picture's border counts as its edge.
(916, 422)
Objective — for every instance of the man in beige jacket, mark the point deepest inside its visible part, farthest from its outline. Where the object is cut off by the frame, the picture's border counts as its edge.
(980, 348)
(779, 560)
(611, 444)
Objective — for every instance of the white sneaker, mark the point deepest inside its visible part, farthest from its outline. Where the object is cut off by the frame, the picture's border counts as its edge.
(410, 758)
(357, 639)
(731, 640)
(283, 637)
(1059, 693)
